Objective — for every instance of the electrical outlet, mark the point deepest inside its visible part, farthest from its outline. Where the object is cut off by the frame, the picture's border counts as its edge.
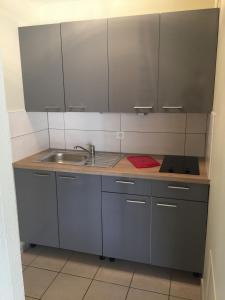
(120, 135)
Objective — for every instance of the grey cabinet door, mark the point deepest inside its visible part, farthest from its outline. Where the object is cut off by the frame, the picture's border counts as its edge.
(178, 232)
(187, 60)
(79, 208)
(133, 63)
(84, 46)
(41, 59)
(126, 226)
(37, 207)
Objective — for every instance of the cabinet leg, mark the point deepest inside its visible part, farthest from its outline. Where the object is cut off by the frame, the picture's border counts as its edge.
(197, 275)
(33, 245)
(101, 257)
(111, 259)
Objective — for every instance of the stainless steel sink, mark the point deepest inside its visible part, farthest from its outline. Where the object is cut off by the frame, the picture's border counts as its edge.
(81, 158)
(76, 158)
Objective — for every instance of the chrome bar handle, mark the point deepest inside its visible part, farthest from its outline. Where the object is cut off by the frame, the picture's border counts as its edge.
(135, 201)
(183, 188)
(68, 177)
(77, 108)
(125, 182)
(172, 107)
(41, 174)
(166, 205)
(52, 108)
(143, 107)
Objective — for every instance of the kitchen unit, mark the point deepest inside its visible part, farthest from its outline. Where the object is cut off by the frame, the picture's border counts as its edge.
(151, 63)
(121, 212)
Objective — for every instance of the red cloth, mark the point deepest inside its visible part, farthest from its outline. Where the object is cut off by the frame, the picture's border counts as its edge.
(143, 161)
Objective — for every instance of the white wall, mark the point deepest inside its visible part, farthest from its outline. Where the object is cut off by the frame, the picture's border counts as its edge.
(11, 284)
(214, 275)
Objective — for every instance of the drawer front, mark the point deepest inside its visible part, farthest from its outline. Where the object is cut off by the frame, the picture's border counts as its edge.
(186, 191)
(126, 185)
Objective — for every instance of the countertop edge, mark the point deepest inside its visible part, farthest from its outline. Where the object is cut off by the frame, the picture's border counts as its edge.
(28, 163)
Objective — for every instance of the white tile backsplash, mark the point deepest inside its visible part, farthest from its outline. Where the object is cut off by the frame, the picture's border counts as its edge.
(56, 120)
(28, 144)
(196, 123)
(103, 140)
(22, 123)
(154, 133)
(57, 138)
(154, 143)
(157, 122)
(195, 145)
(92, 121)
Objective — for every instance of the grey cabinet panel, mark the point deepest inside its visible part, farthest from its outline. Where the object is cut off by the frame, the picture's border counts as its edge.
(126, 185)
(178, 231)
(84, 45)
(126, 226)
(37, 207)
(188, 44)
(177, 190)
(133, 62)
(79, 208)
(41, 60)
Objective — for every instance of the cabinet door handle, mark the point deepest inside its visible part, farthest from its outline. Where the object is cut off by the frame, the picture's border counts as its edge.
(52, 108)
(135, 201)
(41, 174)
(143, 107)
(166, 205)
(183, 188)
(68, 177)
(125, 182)
(172, 107)
(77, 108)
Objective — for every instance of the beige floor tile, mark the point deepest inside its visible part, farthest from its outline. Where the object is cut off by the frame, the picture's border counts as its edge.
(28, 298)
(175, 298)
(51, 259)
(36, 281)
(151, 279)
(29, 255)
(106, 291)
(83, 265)
(118, 272)
(144, 295)
(184, 285)
(67, 287)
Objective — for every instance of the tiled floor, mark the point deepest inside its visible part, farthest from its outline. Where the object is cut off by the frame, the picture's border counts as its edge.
(53, 274)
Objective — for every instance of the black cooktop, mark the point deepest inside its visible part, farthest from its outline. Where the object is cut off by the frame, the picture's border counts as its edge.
(180, 165)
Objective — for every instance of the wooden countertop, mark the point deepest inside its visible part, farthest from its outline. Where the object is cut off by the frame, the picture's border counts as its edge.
(123, 169)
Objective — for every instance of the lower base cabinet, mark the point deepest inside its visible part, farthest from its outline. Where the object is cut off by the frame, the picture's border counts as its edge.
(70, 211)
(178, 230)
(79, 210)
(37, 207)
(126, 226)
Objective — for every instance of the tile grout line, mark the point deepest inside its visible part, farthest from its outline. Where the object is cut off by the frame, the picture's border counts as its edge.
(91, 282)
(129, 285)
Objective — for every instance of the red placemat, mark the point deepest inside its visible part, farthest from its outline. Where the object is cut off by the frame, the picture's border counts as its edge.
(143, 161)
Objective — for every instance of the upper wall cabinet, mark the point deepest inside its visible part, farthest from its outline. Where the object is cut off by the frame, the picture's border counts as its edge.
(41, 59)
(188, 44)
(84, 46)
(133, 63)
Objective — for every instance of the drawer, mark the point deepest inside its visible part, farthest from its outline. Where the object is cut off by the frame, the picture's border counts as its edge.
(126, 185)
(175, 190)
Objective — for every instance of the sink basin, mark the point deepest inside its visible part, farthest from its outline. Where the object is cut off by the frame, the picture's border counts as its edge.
(81, 158)
(77, 158)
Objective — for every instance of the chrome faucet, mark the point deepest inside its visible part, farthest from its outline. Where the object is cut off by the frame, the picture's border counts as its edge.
(90, 150)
